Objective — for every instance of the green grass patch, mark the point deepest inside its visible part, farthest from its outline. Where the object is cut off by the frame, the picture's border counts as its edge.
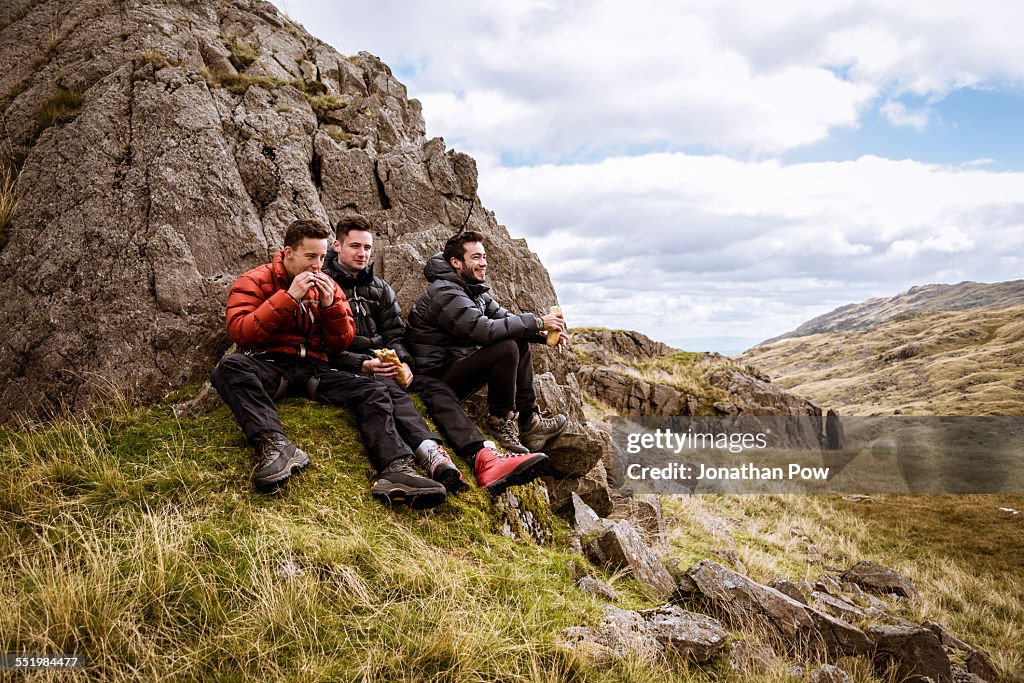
(135, 539)
(322, 104)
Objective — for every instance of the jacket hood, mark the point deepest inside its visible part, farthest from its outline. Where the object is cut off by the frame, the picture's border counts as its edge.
(437, 268)
(334, 269)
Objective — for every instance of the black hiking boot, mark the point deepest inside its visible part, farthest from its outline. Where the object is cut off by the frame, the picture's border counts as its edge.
(400, 483)
(278, 459)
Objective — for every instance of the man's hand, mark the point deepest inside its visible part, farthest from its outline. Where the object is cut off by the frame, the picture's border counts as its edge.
(325, 285)
(379, 368)
(300, 285)
(553, 322)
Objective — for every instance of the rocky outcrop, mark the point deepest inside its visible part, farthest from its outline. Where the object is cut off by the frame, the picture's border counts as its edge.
(612, 370)
(184, 138)
(662, 632)
(875, 578)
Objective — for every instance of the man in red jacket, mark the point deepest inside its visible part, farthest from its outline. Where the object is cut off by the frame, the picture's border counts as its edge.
(287, 316)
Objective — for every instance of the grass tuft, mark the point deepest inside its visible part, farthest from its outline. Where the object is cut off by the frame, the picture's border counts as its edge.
(8, 200)
(242, 54)
(62, 108)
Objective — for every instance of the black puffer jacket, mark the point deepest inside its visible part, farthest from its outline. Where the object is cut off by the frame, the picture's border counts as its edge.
(377, 314)
(453, 318)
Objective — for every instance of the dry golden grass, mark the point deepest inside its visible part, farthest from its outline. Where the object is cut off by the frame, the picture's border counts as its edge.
(967, 363)
(965, 556)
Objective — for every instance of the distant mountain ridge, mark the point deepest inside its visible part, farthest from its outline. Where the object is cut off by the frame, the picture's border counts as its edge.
(963, 296)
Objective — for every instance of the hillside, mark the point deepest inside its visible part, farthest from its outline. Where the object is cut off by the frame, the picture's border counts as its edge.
(132, 538)
(964, 296)
(948, 363)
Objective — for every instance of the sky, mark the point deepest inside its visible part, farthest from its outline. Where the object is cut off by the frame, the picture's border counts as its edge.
(715, 172)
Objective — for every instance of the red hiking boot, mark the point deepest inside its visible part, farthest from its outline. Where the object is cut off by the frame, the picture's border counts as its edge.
(496, 470)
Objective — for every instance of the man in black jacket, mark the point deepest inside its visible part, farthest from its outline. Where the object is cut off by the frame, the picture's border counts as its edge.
(378, 319)
(460, 335)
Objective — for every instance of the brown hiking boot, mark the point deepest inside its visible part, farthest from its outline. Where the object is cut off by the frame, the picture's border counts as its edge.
(506, 431)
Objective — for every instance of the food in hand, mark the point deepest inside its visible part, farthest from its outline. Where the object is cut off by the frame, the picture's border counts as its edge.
(553, 335)
(389, 356)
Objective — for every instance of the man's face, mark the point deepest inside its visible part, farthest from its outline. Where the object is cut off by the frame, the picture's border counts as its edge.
(473, 266)
(354, 250)
(309, 256)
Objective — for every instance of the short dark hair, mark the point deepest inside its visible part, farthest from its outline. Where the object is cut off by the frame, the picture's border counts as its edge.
(352, 222)
(456, 246)
(303, 228)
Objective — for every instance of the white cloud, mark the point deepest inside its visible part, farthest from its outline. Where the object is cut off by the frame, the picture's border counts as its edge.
(549, 80)
(898, 115)
(747, 250)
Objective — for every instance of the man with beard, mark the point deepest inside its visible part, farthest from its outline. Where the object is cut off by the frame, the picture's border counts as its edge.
(460, 335)
(379, 326)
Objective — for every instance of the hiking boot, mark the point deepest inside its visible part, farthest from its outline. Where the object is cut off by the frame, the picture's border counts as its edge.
(506, 431)
(538, 430)
(496, 471)
(400, 483)
(439, 467)
(278, 459)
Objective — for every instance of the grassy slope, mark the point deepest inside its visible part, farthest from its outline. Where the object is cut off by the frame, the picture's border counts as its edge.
(958, 363)
(134, 539)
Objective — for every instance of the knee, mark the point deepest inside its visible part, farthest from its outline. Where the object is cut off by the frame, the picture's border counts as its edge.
(506, 348)
(231, 364)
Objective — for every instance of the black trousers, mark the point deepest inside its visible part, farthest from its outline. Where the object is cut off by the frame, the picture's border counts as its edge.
(443, 405)
(506, 367)
(249, 385)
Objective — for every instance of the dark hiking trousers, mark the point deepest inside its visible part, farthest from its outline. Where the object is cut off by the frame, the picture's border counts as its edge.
(506, 367)
(443, 405)
(249, 385)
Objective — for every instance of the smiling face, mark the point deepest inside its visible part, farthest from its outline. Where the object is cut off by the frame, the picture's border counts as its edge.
(473, 266)
(307, 255)
(354, 249)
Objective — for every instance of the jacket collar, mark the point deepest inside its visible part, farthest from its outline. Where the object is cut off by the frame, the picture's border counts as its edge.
(334, 269)
(437, 268)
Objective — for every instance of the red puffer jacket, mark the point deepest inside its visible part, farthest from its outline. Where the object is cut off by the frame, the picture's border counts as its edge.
(262, 316)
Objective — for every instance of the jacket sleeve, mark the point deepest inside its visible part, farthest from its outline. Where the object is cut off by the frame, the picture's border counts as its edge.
(457, 314)
(350, 360)
(390, 326)
(336, 323)
(251, 318)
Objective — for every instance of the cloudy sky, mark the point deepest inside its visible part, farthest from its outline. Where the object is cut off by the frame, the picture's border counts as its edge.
(715, 172)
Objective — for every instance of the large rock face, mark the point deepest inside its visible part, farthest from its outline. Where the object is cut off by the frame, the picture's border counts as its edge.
(164, 147)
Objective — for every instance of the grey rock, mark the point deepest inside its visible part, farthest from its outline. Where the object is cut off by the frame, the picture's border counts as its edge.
(751, 658)
(875, 578)
(910, 653)
(620, 547)
(585, 520)
(835, 437)
(593, 488)
(827, 673)
(658, 633)
(744, 602)
(600, 589)
(646, 515)
(686, 634)
(837, 606)
(790, 589)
